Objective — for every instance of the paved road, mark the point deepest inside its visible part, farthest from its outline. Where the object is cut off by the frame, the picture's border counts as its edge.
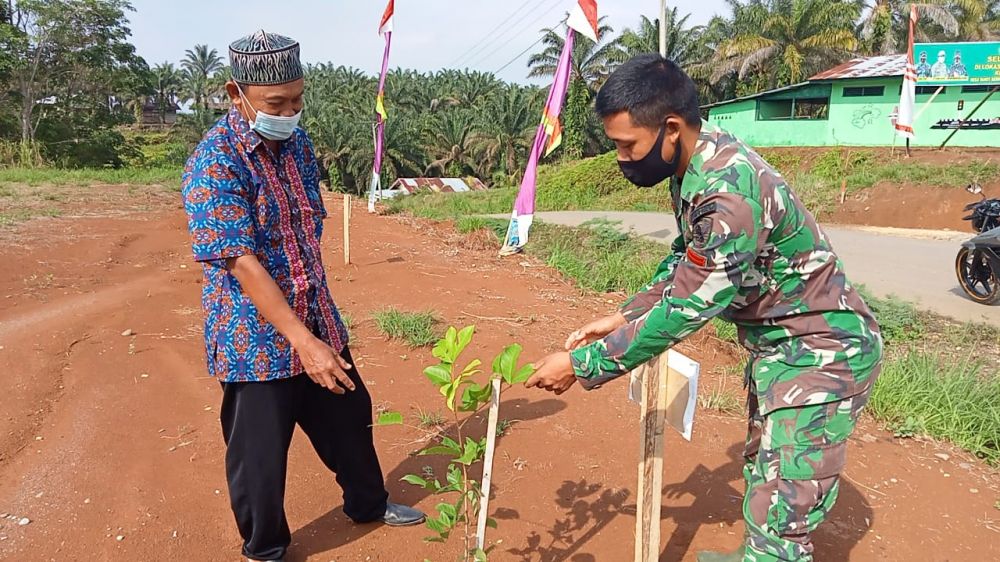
(918, 269)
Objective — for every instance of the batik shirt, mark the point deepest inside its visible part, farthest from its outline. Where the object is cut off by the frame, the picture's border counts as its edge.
(242, 199)
(750, 252)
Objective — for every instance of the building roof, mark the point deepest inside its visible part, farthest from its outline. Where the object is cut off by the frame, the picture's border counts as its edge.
(757, 95)
(857, 68)
(439, 185)
(866, 67)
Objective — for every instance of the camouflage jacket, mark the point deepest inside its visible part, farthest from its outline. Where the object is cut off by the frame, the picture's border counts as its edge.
(750, 252)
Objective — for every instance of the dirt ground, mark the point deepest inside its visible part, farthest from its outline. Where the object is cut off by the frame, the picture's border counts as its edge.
(110, 444)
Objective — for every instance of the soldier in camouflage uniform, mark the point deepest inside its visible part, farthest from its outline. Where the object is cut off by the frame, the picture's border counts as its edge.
(750, 252)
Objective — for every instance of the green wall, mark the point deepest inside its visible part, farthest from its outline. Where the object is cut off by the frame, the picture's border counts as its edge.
(862, 121)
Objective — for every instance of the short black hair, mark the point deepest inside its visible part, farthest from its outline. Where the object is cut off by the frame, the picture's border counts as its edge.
(650, 88)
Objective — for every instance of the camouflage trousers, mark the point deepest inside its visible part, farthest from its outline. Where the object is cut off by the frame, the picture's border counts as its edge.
(793, 460)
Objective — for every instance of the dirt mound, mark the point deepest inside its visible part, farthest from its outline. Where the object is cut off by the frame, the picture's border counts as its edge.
(910, 206)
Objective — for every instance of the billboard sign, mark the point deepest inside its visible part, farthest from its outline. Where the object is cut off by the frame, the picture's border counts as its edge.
(957, 64)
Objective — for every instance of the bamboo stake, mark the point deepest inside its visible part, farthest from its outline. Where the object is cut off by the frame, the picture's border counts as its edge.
(491, 440)
(347, 229)
(648, 501)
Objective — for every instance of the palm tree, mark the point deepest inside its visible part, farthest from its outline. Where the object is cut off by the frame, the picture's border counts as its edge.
(506, 127)
(449, 142)
(784, 41)
(200, 65)
(884, 29)
(681, 39)
(168, 85)
(591, 62)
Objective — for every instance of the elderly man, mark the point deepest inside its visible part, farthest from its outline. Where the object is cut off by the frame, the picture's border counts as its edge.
(750, 252)
(274, 337)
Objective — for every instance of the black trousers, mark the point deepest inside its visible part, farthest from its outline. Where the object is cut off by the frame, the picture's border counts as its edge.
(258, 419)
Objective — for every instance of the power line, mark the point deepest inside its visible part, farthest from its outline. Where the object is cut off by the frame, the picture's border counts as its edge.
(519, 55)
(539, 40)
(517, 26)
(489, 33)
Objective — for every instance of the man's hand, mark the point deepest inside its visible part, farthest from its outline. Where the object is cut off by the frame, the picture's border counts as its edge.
(553, 373)
(595, 330)
(324, 366)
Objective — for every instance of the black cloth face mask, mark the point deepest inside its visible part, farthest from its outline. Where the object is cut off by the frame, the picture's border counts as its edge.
(651, 170)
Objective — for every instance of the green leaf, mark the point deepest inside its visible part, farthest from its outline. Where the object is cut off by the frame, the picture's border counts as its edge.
(448, 446)
(464, 337)
(523, 374)
(440, 375)
(471, 453)
(480, 555)
(438, 450)
(491, 523)
(415, 480)
(389, 418)
(506, 362)
(450, 396)
(472, 368)
(447, 510)
(455, 476)
(475, 395)
(438, 526)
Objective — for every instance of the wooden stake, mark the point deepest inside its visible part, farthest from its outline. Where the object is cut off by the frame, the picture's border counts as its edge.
(843, 191)
(491, 440)
(347, 229)
(653, 416)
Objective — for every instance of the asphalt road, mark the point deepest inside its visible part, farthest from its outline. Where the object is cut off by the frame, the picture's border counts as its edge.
(917, 266)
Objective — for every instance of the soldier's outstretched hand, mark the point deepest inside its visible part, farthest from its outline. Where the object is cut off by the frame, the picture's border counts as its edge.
(595, 330)
(553, 373)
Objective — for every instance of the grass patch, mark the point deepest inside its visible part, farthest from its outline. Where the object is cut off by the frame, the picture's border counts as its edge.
(430, 420)
(900, 321)
(920, 393)
(725, 331)
(417, 329)
(598, 257)
(166, 176)
(503, 426)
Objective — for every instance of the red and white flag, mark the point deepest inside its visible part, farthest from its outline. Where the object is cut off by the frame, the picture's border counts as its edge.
(386, 25)
(908, 98)
(583, 19)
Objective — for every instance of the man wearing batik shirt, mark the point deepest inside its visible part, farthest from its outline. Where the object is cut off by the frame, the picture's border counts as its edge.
(750, 252)
(273, 335)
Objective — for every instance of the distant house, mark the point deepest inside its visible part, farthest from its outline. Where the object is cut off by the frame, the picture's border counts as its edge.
(853, 104)
(151, 113)
(408, 186)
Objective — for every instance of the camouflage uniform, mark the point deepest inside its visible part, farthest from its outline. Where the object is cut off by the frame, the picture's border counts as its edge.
(751, 253)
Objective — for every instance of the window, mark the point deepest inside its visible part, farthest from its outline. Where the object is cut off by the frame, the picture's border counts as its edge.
(793, 109)
(976, 89)
(864, 91)
(927, 90)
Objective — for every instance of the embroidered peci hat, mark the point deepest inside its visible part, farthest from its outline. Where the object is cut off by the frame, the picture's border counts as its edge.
(265, 59)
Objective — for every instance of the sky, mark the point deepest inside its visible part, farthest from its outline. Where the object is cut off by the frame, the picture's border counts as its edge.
(429, 34)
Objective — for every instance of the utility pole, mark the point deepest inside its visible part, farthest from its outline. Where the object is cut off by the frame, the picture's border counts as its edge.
(663, 28)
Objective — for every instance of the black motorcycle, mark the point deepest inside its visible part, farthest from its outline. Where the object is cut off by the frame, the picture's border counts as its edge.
(978, 262)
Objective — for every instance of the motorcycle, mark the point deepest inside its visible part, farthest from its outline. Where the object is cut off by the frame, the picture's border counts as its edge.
(978, 262)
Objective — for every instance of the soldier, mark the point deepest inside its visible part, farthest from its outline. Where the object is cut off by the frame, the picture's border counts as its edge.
(957, 69)
(923, 69)
(940, 68)
(750, 252)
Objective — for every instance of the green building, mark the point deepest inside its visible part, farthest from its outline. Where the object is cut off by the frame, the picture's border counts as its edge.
(854, 105)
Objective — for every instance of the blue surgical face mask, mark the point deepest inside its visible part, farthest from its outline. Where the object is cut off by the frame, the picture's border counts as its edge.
(272, 127)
